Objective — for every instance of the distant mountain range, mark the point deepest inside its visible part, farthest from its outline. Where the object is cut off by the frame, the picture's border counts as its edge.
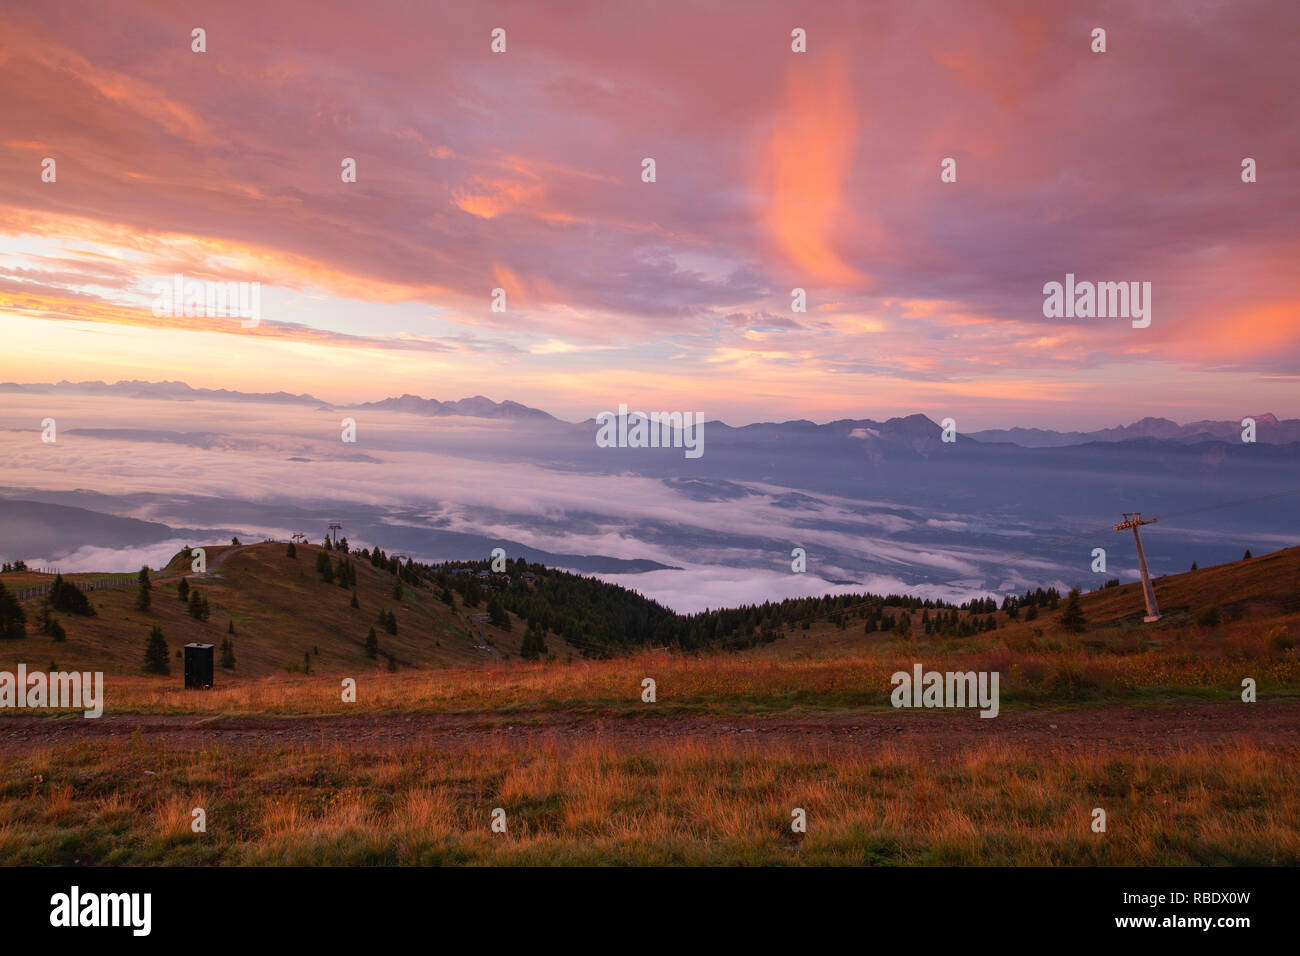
(1268, 429)
(476, 407)
(912, 430)
(178, 391)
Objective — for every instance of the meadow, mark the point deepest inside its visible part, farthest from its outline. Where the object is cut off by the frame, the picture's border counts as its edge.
(680, 803)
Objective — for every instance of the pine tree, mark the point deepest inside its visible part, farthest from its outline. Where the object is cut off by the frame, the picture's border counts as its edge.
(534, 643)
(183, 589)
(13, 619)
(1072, 618)
(354, 600)
(397, 590)
(1246, 556)
(372, 644)
(230, 628)
(49, 623)
(1194, 568)
(228, 654)
(498, 614)
(156, 660)
(292, 551)
(144, 598)
(66, 596)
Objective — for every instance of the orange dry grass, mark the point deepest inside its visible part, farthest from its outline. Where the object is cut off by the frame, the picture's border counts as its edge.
(717, 802)
(1030, 673)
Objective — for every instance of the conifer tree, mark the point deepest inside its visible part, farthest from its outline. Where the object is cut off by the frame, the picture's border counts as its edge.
(1072, 618)
(156, 660)
(13, 619)
(143, 597)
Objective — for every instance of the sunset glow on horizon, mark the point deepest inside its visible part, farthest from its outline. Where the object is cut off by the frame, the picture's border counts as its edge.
(775, 171)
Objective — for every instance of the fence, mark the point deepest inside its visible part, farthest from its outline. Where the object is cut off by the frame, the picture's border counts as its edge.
(28, 594)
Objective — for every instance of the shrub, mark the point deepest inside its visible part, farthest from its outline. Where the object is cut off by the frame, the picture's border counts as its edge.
(1279, 638)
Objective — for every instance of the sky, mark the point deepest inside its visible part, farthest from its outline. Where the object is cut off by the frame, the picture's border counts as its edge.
(522, 171)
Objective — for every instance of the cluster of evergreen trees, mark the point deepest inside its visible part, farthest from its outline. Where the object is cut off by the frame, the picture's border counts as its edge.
(343, 573)
(13, 566)
(62, 596)
(66, 596)
(602, 619)
(534, 644)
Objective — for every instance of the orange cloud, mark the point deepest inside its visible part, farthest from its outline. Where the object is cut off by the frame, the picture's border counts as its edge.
(1252, 332)
(807, 160)
(490, 198)
(159, 254)
(122, 90)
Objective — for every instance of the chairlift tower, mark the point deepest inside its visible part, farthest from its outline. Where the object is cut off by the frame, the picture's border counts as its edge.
(1134, 520)
(482, 619)
(336, 528)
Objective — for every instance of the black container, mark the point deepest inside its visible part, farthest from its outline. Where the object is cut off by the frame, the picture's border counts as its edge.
(198, 666)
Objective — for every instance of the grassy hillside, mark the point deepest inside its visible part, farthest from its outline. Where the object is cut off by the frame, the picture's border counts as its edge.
(281, 609)
(1254, 597)
(1146, 721)
(284, 614)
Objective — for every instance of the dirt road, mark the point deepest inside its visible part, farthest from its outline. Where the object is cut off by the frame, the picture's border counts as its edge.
(1272, 726)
